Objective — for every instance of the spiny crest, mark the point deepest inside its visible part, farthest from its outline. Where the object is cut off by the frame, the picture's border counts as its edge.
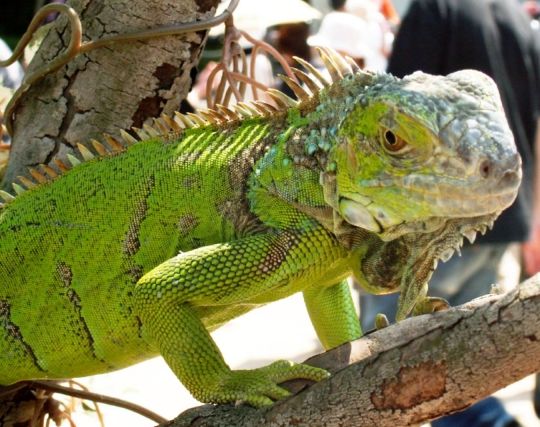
(309, 83)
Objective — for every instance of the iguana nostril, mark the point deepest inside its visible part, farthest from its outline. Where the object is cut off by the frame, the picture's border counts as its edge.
(486, 168)
(505, 169)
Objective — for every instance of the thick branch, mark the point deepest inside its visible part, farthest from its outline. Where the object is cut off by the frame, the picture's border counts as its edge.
(411, 372)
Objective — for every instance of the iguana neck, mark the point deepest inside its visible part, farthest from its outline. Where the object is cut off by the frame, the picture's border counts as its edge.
(297, 172)
(288, 176)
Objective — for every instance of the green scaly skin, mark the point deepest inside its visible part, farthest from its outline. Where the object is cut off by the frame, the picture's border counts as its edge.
(144, 252)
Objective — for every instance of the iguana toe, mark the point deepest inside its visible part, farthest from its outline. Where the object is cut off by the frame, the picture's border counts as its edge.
(430, 305)
(258, 387)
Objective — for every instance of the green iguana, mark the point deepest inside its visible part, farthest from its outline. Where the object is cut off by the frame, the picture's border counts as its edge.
(144, 248)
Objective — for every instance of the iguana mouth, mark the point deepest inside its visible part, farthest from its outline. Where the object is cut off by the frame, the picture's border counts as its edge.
(358, 214)
(379, 207)
(389, 225)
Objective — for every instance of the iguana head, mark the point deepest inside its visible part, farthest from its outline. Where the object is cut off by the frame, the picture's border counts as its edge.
(412, 153)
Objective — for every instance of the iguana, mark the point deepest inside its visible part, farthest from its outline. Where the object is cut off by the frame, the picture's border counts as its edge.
(144, 247)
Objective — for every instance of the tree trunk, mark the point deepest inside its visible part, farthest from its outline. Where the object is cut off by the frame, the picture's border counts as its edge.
(110, 88)
(411, 372)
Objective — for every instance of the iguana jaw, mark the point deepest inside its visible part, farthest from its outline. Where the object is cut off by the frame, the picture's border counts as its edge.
(448, 199)
(388, 225)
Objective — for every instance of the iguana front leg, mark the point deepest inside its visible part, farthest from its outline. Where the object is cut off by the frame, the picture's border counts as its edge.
(332, 312)
(253, 270)
(193, 356)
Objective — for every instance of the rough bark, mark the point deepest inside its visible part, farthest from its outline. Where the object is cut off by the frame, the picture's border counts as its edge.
(411, 372)
(118, 86)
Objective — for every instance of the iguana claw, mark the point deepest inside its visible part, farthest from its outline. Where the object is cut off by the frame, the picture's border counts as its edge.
(381, 321)
(430, 305)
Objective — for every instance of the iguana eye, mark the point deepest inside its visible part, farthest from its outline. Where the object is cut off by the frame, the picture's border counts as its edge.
(392, 142)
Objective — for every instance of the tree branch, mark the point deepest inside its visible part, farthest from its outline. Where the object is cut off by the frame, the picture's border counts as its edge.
(107, 89)
(411, 372)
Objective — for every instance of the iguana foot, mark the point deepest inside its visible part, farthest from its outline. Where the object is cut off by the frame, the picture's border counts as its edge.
(258, 387)
(430, 305)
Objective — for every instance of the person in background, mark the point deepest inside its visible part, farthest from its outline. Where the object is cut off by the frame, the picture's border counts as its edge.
(290, 40)
(379, 37)
(338, 5)
(389, 12)
(495, 37)
(532, 7)
(355, 29)
(346, 34)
